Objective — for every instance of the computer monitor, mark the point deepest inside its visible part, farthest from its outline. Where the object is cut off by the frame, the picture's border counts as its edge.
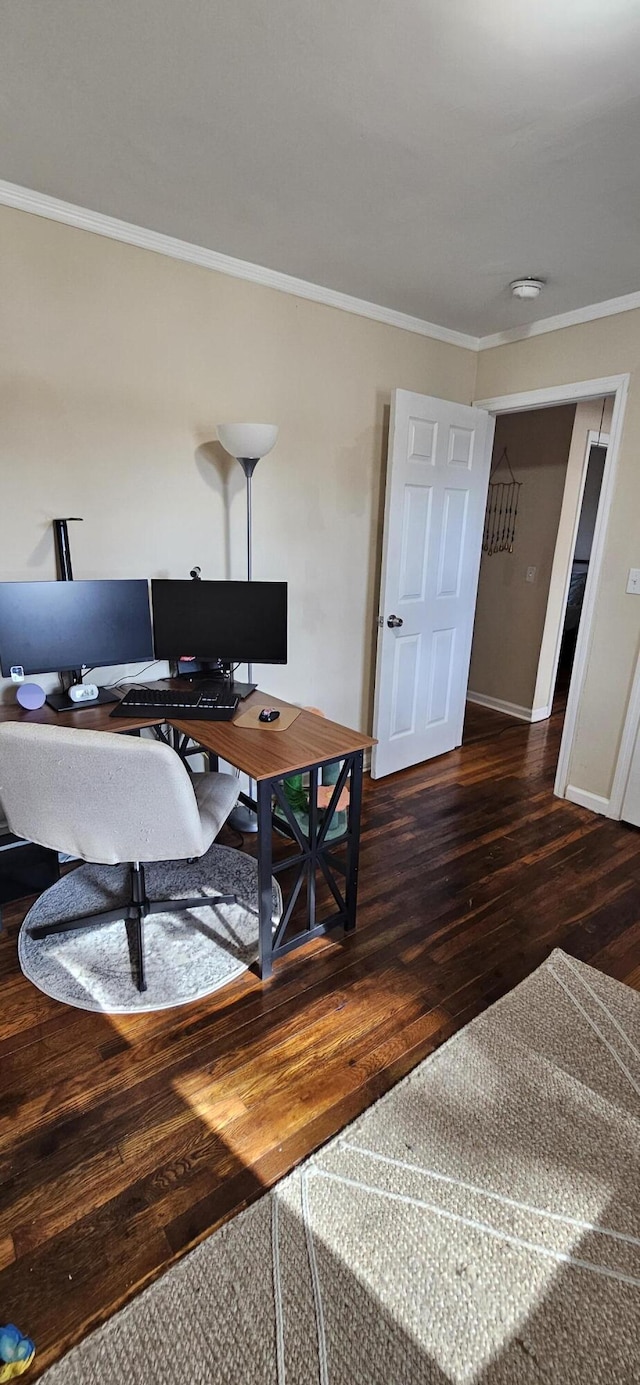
(226, 622)
(53, 627)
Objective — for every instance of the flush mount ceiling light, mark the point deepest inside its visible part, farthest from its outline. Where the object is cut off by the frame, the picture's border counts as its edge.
(527, 288)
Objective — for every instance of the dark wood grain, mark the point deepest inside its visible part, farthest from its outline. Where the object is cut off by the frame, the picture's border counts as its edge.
(126, 1139)
(264, 752)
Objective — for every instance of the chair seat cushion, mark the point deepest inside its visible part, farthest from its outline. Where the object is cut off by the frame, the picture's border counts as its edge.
(217, 795)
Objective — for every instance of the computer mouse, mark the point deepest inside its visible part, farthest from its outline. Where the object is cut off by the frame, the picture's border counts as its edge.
(269, 714)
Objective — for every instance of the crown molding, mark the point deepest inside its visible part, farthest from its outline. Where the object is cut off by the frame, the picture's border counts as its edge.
(54, 209)
(40, 204)
(608, 308)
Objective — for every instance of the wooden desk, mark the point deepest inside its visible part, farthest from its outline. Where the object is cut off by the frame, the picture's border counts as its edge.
(88, 719)
(268, 757)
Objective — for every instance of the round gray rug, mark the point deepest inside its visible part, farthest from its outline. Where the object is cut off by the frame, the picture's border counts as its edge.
(187, 955)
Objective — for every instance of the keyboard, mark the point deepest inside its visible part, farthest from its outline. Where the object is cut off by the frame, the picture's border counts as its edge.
(197, 705)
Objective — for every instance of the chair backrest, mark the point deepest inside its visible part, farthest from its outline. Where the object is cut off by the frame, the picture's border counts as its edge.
(102, 796)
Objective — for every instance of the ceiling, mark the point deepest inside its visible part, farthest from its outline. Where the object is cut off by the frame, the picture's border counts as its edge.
(418, 154)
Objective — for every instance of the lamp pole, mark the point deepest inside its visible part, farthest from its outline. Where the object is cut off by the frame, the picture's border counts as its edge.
(243, 818)
(247, 442)
(249, 465)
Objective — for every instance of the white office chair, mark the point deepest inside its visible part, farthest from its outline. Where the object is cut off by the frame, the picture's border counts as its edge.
(111, 799)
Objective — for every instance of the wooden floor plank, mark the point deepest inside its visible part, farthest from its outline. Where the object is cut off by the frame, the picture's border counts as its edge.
(125, 1139)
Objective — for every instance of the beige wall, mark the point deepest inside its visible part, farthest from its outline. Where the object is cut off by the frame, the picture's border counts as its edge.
(610, 346)
(117, 363)
(510, 612)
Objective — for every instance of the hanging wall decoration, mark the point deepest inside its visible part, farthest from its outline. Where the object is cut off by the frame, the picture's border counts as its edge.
(502, 510)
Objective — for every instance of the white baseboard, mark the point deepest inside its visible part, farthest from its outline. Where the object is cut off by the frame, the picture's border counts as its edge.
(510, 709)
(594, 801)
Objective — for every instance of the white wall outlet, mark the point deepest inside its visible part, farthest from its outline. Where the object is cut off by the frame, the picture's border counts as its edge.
(633, 582)
(530, 574)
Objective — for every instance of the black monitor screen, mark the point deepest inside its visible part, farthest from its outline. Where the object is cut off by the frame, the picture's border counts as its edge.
(239, 622)
(49, 627)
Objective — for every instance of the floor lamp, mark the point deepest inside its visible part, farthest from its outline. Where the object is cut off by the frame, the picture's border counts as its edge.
(247, 442)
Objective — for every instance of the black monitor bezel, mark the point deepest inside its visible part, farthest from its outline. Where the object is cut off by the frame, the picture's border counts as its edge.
(237, 656)
(106, 658)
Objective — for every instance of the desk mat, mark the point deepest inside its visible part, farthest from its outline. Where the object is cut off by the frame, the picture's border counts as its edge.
(250, 720)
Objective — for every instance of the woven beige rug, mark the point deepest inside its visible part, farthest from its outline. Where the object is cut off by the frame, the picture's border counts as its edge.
(481, 1223)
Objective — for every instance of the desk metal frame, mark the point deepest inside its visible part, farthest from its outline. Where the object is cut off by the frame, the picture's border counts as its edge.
(313, 853)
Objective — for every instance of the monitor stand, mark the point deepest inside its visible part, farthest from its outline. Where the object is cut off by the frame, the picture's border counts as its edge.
(217, 675)
(242, 690)
(61, 702)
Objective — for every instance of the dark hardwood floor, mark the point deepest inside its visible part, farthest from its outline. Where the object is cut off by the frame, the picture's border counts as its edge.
(126, 1139)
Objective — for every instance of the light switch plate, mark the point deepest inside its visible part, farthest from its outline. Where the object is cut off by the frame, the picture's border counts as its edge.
(530, 575)
(633, 583)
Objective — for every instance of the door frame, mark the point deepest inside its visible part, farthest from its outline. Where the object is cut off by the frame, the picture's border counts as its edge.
(575, 393)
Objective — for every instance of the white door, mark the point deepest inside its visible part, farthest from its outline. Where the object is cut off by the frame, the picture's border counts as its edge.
(437, 477)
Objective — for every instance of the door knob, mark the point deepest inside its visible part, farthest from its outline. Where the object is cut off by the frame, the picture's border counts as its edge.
(394, 622)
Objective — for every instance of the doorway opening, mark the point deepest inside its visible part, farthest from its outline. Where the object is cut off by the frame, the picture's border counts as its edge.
(531, 590)
(542, 605)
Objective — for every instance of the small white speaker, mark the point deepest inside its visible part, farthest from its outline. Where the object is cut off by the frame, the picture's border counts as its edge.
(83, 692)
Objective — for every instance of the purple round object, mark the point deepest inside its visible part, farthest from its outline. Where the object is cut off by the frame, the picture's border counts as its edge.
(31, 696)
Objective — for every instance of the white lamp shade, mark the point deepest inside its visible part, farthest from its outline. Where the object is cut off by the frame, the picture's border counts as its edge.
(248, 439)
